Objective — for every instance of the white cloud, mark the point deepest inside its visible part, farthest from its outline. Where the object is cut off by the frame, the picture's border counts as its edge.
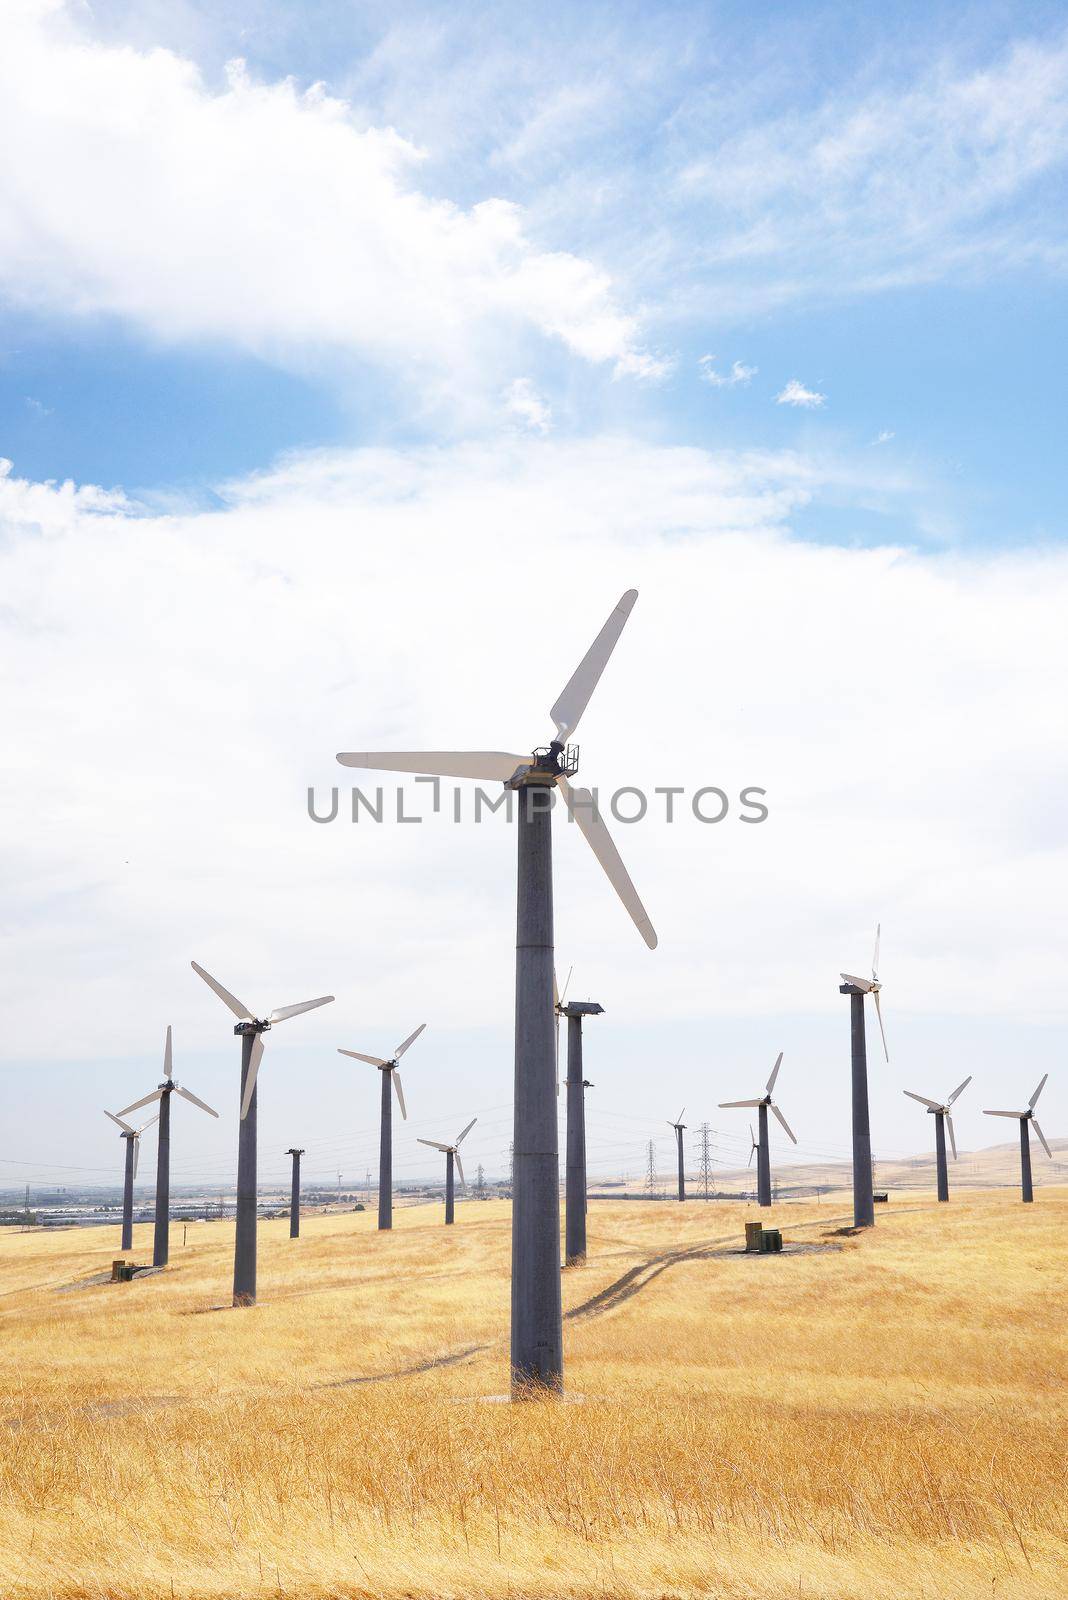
(795, 394)
(739, 373)
(263, 216)
(523, 402)
(884, 436)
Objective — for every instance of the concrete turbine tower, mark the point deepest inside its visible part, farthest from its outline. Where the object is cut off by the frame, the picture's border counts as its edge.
(763, 1105)
(389, 1072)
(943, 1122)
(132, 1136)
(162, 1236)
(294, 1194)
(575, 1179)
(1026, 1120)
(537, 1357)
(680, 1128)
(856, 989)
(452, 1158)
(250, 1030)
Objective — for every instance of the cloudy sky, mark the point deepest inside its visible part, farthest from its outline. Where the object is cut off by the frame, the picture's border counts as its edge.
(354, 359)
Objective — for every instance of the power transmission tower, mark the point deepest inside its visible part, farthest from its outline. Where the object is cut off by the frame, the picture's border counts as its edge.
(511, 1165)
(650, 1170)
(705, 1165)
(480, 1182)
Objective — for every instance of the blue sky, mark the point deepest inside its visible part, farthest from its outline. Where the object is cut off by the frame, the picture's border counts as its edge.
(334, 341)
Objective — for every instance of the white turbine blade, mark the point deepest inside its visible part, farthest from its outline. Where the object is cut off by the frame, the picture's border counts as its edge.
(395, 1075)
(728, 1105)
(157, 1094)
(580, 804)
(167, 1058)
(459, 1168)
(858, 983)
(678, 1120)
(462, 1136)
(434, 1145)
(567, 985)
(1016, 1114)
(879, 1014)
(959, 1089)
(358, 1055)
(146, 1125)
(583, 681)
(242, 1013)
(125, 1126)
(137, 1152)
(412, 1037)
(1034, 1098)
(498, 764)
(932, 1105)
(253, 1069)
(875, 956)
(774, 1073)
(952, 1140)
(752, 1153)
(784, 1122)
(187, 1094)
(304, 1005)
(1042, 1136)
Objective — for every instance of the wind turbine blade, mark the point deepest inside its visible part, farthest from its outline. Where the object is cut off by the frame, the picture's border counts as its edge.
(879, 1014)
(357, 1055)
(157, 1094)
(412, 1037)
(125, 1126)
(434, 1145)
(959, 1089)
(1016, 1114)
(784, 1122)
(774, 1073)
(581, 805)
(395, 1075)
(304, 1005)
(146, 1125)
(875, 956)
(932, 1105)
(729, 1105)
(187, 1094)
(462, 1136)
(137, 1152)
(583, 681)
(1042, 1136)
(242, 1013)
(952, 1140)
(1034, 1098)
(459, 1167)
(253, 1068)
(858, 983)
(498, 764)
(678, 1119)
(752, 1153)
(167, 1058)
(567, 985)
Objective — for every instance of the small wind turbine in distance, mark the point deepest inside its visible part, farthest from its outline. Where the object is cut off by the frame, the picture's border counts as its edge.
(162, 1235)
(1026, 1120)
(537, 1357)
(452, 1155)
(856, 989)
(132, 1136)
(389, 1071)
(753, 1146)
(943, 1121)
(250, 1030)
(680, 1128)
(763, 1105)
(575, 1159)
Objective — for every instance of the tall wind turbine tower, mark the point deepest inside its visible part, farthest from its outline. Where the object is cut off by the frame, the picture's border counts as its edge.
(575, 1184)
(763, 1105)
(1026, 1119)
(537, 1357)
(294, 1194)
(680, 1128)
(250, 1030)
(452, 1159)
(943, 1124)
(132, 1136)
(389, 1072)
(162, 1235)
(856, 989)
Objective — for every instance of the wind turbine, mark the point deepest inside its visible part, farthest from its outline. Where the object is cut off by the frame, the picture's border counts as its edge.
(250, 1030)
(452, 1156)
(753, 1146)
(132, 1136)
(856, 989)
(763, 1105)
(294, 1194)
(1025, 1119)
(943, 1120)
(162, 1235)
(680, 1128)
(537, 1357)
(575, 1174)
(389, 1071)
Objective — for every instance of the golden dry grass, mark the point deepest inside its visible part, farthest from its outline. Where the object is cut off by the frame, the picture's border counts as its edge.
(885, 1421)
